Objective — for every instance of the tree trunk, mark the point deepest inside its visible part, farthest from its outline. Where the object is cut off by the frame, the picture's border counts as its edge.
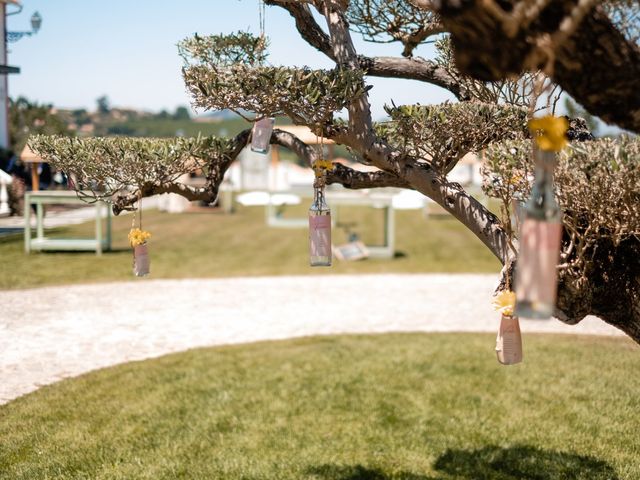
(611, 290)
(596, 65)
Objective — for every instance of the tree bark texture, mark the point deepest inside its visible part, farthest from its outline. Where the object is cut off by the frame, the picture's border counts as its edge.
(596, 65)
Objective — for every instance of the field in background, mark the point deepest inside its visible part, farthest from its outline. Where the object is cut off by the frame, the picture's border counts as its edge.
(195, 245)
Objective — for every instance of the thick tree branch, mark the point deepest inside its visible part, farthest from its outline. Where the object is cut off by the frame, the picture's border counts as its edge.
(595, 63)
(126, 201)
(293, 143)
(353, 179)
(389, 67)
(416, 68)
(455, 200)
(217, 167)
(360, 123)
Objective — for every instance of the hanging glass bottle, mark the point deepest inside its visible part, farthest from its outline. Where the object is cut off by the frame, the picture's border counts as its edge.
(319, 226)
(138, 241)
(261, 134)
(540, 235)
(509, 339)
(141, 262)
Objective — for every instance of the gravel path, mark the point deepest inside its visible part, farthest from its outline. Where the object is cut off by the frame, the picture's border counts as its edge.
(47, 334)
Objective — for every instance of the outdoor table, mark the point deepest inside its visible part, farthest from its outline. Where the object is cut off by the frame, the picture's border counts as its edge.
(100, 243)
(382, 200)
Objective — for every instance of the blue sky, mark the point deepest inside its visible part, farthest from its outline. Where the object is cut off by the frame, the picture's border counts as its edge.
(126, 50)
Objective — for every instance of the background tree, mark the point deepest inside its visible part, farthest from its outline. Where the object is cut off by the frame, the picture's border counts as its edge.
(598, 181)
(103, 105)
(31, 118)
(181, 113)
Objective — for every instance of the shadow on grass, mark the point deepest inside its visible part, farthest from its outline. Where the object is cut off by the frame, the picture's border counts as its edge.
(522, 462)
(519, 462)
(358, 472)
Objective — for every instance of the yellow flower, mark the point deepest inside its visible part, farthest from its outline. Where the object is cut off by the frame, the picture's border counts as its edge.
(323, 165)
(550, 132)
(320, 166)
(138, 237)
(504, 302)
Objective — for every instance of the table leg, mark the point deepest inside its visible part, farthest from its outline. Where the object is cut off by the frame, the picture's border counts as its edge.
(99, 228)
(35, 177)
(390, 231)
(27, 223)
(108, 214)
(40, 221)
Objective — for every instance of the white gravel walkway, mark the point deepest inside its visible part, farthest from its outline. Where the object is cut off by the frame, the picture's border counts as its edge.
(47, 334)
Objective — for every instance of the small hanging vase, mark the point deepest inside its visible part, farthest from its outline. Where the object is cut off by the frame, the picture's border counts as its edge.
(261, 134)
(141, 261)
(509, 341)
(319, 225)
(541, 230)
(536, 275)
(319, 238)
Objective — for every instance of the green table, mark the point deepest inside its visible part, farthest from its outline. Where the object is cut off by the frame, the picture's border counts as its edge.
(100, 243)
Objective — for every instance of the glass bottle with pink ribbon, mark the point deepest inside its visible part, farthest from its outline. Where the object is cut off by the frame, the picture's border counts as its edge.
(509, 339)
(540, 236)
(319, 226)
(141, 261)
(261, 134)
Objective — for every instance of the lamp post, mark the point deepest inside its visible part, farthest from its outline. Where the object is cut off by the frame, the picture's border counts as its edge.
(5, 36)
(36, 22)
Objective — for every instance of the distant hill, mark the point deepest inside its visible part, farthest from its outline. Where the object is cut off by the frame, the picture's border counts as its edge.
(216, 116)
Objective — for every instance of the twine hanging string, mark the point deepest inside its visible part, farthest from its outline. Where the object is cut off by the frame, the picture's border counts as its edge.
(261, 17)
(137, 236)
(133, 220)
(320, 168)
(261, 26)
(140, 208)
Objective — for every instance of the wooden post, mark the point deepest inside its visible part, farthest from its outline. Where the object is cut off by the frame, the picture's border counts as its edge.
(35, 177)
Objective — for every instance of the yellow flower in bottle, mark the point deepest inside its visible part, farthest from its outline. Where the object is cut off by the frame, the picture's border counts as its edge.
(504, 302)
(320, 166)
(138, 237)
(549, 132)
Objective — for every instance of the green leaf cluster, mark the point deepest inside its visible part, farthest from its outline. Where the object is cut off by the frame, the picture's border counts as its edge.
(305, 95)
(107, 165)
(442, 134)
(224, 50)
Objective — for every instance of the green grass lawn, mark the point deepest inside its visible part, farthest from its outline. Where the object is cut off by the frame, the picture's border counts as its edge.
(217, 245)
(377, 407)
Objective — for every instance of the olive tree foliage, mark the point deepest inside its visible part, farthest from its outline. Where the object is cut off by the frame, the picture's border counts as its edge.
(121, 169)
(598, 181)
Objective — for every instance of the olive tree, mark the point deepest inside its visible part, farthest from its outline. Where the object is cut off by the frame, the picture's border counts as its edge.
(487, 64)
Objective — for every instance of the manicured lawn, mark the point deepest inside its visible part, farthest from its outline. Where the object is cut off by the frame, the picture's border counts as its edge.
(216, 245)
(401, 406)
